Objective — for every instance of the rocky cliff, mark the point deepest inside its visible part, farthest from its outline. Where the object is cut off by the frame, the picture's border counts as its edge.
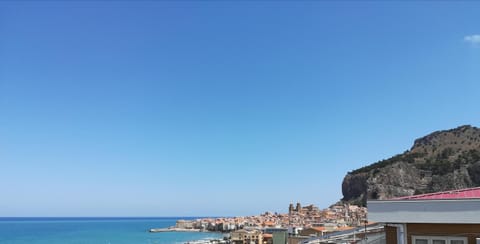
(443, 160)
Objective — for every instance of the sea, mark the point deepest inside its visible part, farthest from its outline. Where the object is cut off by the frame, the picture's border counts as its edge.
(95, 231)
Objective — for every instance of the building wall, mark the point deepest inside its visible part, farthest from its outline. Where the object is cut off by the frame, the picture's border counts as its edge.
(463, 211)
(184, 224)
(246, 237)
(471, 231)
(297, 239)
(279, 237)
(391, 234)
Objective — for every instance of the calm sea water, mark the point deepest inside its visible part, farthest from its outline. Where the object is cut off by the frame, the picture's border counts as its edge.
(93, 230)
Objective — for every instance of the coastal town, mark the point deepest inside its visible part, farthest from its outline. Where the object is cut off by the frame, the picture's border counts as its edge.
(447, 217)
(405, 202)
(300, 223)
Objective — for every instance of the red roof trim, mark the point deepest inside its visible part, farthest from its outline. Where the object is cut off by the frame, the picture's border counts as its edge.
(452, 194)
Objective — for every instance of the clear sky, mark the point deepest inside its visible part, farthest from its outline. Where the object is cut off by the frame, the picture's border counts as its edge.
(127, 108)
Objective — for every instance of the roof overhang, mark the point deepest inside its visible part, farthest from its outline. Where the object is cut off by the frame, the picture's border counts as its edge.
(452, 211)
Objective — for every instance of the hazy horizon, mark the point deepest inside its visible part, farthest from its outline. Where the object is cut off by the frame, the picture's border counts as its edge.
(123, 108)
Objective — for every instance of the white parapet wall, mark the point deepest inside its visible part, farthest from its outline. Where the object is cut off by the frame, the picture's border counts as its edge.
(457, 211)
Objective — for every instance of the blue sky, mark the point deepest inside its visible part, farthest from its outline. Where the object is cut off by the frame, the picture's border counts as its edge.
(126, 108)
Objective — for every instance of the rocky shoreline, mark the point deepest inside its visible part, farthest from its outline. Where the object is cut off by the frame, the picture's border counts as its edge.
(175, 229)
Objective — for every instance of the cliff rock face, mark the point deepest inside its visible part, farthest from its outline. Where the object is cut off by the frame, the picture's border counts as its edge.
(443, 160)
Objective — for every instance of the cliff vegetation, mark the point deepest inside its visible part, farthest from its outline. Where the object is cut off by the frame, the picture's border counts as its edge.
(442, 160)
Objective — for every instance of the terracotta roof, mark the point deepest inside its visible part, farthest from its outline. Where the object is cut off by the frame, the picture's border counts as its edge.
(343, 228)
(320, 229)
(267, 235)
(269, 223)
(453, 194)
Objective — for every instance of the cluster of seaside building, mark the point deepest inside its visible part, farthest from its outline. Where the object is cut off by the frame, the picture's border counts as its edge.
(299, 224)
(298, 217)
(450, 217)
